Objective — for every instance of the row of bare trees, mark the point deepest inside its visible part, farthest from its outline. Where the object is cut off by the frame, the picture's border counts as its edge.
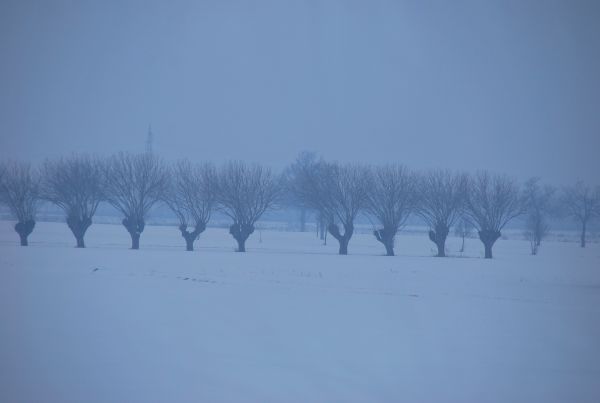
(133, 184)
(337, 193)
(390, 194)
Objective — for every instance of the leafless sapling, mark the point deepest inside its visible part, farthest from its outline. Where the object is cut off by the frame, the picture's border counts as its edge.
(76, 185)
(582, 202)
(391, 197)
(441, 202)
(463, 229)
(538, 204)
(492, 201)
(134, 184)
(244, 193)
(20, 192)
(191, 196)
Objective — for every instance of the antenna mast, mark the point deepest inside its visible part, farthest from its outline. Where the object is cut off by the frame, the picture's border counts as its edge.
(149, 140)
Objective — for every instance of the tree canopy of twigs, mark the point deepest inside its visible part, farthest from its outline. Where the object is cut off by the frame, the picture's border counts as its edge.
(341, 192)
(135, 183)
(191, 196)
(441, 202)
(492, 202)
(244, 193)
(20, 192)
(582, 202)
(391, 198)
(76, 185)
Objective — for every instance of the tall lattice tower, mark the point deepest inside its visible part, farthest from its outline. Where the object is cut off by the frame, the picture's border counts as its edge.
(149, 140)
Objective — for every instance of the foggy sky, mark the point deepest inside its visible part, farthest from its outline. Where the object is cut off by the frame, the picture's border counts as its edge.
(512, 86)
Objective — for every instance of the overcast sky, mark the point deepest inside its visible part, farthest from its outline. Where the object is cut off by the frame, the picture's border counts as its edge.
(513, 86)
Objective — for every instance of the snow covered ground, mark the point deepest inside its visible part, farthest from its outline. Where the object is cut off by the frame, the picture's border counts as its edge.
(290, 321)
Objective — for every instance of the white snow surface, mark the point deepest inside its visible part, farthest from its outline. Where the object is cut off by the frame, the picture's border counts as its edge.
(291, 321)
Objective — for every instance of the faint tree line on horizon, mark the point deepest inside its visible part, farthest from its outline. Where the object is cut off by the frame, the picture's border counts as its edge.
(335, 193)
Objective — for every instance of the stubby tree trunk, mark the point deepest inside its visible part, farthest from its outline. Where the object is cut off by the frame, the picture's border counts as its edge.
(135, 227)
(334, 230)
(386, 236)
(488, 237)
(78, 227)
(240, 233)
(462, 246)
(438, 236)
(190, 236)
(583, 230)
(24, 228)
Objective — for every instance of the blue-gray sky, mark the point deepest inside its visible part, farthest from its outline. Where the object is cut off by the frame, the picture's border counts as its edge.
(513, 86)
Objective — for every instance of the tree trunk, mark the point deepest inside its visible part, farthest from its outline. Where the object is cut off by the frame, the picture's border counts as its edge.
(488, 250)
(78, 227)
(240, 233)
(343, 240)
(438, 236)
(135, 227)
(24, 228)
(343, 250)
(488, 237)
(462, 246)
(583, 230)
(386, 237)
(135, 240)
(191, 236)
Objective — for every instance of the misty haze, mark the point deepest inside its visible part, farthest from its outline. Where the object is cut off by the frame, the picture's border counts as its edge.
(299, 201)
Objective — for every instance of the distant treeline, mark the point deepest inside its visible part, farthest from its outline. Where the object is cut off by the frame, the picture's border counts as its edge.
(335, 193)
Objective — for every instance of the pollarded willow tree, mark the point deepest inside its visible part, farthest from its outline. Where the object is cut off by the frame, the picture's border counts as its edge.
(20, 191)
(582, 203)
(191, 196)
(441, 203)
(341, 192)
(493, 200)
(391, 197)
(134, 184)
(76, 185)
(244, 193)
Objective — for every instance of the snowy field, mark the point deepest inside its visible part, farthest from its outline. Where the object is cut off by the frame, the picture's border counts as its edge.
(291, 321)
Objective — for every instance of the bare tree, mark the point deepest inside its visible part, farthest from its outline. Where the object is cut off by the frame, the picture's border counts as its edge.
(391, 197)
(463, 229)
(302, 179)
(135, 183)
(191, 196)
(493, 200)
(244, 193)
(538, 203)
(582, 203)
(441, 202)
(341, 193)
(19, 191)
(76, 185)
